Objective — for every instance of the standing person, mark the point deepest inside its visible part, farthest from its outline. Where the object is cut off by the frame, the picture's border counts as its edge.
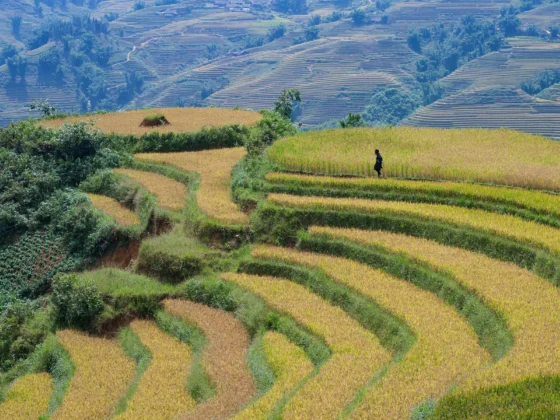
(378, 163)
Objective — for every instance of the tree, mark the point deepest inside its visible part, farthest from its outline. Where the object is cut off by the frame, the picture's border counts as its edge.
(43, 106)
(352, 121)
(290, 6)
(311, 33)
(390, 106)
(276, 32)
(286, 102)
(16, 24)
(358, 16)
(554, 31)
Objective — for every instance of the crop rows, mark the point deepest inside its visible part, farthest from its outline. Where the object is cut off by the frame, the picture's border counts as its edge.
(446, 349)
(171, 194)
(224, 358)
(502, 156)
(290, 365)
(529, 304)
(162, 390)
(505, 225)
(214, 166)
(537, 201)
(102, 374)
(28, 398)
(110, 206)
(357, 354)
(182, 120)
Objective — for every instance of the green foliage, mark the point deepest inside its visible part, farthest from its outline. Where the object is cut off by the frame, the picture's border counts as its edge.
(535, 398)
(276, 32)
(358, 17)
(270, 128)
(127, 293)
(43, 106)
(16, 24)
(390, 106)
(423, 411)
(541, 81)
(29, 263)
(74, 304)
(352, 121)
(286, 102)
(155, 120)
(290, 6)
(198, 383)
(134, 349)
(23, 325)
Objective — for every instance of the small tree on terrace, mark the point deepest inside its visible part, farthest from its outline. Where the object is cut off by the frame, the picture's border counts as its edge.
(352, 121)
(286, 102)
(43, 106)
(16, 24)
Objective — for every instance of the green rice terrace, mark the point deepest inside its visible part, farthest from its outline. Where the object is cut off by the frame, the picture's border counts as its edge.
(272, 274)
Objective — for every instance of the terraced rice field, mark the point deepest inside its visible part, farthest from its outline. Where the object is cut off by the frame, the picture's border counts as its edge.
(529, 304)
(357, 354)
(171, 194)
(489, 156)
(102, 374)
(214, 166)
(536, 201)
(290, 365)
(162, 391)
(446, 349)
(28, 397)
(182, 120)
(224, 358)
(504, 225)
(114, 209)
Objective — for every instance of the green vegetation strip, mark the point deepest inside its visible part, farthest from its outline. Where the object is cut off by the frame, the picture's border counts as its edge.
(531, 205)
(280, 224)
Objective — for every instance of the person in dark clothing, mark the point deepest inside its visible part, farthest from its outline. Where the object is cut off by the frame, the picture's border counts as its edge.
(378, 163)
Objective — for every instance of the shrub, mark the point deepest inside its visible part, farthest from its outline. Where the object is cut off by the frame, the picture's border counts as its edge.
(75, 305)
(154, 120)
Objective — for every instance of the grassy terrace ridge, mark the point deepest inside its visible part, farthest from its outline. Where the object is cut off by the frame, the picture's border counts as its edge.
(475, 155)
(181, 120)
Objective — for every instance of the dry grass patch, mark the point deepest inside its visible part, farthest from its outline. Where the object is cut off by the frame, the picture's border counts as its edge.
(357, 354)
(162, 390)
(28, 398)
(494, 156)
(102, 375)
(530, 305)
(505, 225)
(171, 194)
(113, 208)
(224, 358)
(181, 120)
(533, 200)
(446, 349)
(290, 365)
(214, 166)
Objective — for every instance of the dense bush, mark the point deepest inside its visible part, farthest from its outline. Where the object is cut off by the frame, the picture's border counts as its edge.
(541, 81)
(75, 305)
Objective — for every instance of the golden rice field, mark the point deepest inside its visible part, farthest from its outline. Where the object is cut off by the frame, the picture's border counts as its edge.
(170, 194)
(534, 200)
(529, 304)
(357, 354)
(28, 398)
(290, 365)
(111, 207)
(162, 389)
(182, 120)
(214, 166)
(224, 358)
(446, 348)
(508, 226)
(475, 155)
(102, 374)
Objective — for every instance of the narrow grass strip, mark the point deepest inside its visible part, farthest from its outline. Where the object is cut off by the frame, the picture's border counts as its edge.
(111, 207)
(224, 358)
(505, 225)
(530, 305)
(161, 392)
(537, 201)
(170, 194)
(290, 366)
(214, 166)
(102, 375)
(357, 354)
(446, 349)
(28, 398)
